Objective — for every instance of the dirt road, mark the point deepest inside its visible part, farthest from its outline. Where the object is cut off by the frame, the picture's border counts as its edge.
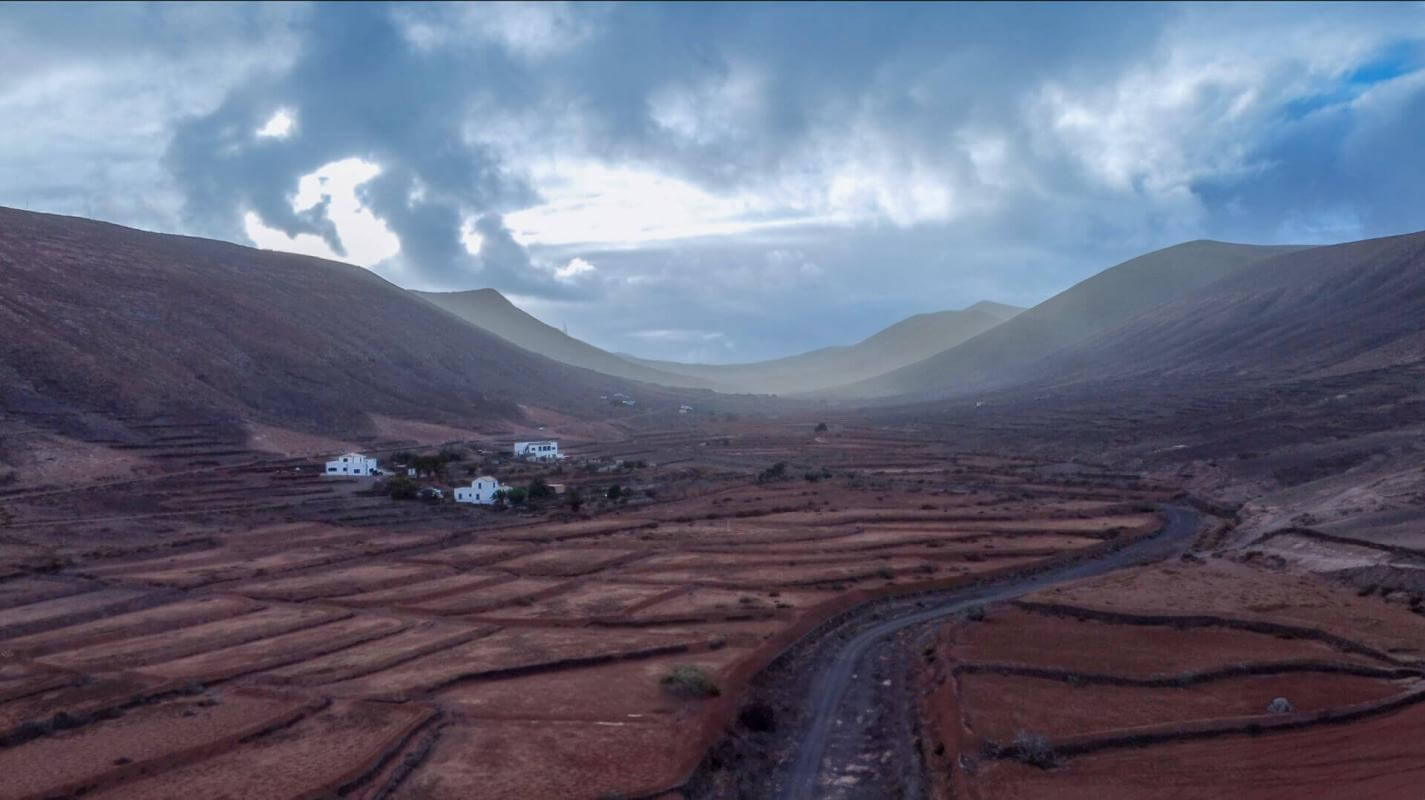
(813, 770)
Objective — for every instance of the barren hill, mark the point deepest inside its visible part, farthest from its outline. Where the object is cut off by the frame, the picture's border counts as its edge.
(106, 324)
(1325, 311)
(905, 342)
(493, 312)
(1009, 353)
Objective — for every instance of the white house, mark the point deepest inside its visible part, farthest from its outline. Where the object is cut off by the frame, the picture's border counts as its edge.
(481, 490)
(685, 408)
(547, 450)
(352, 464)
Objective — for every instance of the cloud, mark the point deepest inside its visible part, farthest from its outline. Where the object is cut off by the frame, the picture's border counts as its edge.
(575, 268)
(280, 125)
(707, 163)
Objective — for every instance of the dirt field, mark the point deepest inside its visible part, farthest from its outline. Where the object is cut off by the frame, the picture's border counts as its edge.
(1156, 682)
(277, 634)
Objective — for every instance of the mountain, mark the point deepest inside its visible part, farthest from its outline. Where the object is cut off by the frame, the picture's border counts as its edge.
(1008, 353)
(105, 325)
(1322, 312)
(905, 342)
(492, 312)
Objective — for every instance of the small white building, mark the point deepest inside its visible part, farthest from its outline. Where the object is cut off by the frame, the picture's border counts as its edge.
(352, 464)
(481, 490)
(546, 450)
(685, 408)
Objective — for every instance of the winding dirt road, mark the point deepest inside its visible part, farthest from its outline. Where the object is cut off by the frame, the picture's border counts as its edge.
(802, 777)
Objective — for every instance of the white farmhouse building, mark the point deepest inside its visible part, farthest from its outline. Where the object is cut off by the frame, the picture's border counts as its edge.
(481, 490)
(547, 450)
(352, 464)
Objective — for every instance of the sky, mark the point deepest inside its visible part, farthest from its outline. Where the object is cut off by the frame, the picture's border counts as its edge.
(728, 182)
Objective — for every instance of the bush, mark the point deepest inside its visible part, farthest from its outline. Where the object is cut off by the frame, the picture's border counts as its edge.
(539, 489)
(615, 492)
(1033, 749)
(690, 682)
(776, 472)
(821, 427)
(402, 487)
(574, 499)
(975, 613)
(514, 496)
(759, 717)
(1280, 705)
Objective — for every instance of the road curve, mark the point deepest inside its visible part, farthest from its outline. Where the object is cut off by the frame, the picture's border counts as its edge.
(829, 688)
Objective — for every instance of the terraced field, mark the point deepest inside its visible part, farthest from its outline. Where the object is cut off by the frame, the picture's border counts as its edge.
(1164, 682)
(461, 653)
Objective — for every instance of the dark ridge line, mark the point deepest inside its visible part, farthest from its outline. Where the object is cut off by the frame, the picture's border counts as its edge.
(413, 759)
(1230, 726)
(1185, 679)
(1311, 533)
(182, 757)
(452, 641)
(371, 770)
(1207, 621)
(505, 673)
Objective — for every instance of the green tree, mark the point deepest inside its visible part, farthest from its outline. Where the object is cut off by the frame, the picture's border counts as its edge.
(401, 487)
(539, 489)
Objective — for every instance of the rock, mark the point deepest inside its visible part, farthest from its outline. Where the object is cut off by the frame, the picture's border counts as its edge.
(1280, 705)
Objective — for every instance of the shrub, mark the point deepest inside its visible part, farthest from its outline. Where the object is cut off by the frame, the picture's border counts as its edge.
(402, 487)
(574, 499)
(821, 427)
(1033, 749)
(776, 472)
(690, 682)
(539, 489)
(615, 492)
(758, 716)
(514, 496)
(975, 613)
(1280, 705)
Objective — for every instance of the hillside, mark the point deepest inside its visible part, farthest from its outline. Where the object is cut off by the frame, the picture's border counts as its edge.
(491, 311)
(1296, 386)
(1325, 311)
(106, 325)
(905, 342)
(1008, 353)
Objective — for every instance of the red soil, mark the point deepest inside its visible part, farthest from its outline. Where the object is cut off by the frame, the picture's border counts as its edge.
(1012, 636)
(157, 647)
(538, 760)
(1382, 758)
(1374, 756)
(363, 659)
(83, 756)
(313, 757)
(996, 706)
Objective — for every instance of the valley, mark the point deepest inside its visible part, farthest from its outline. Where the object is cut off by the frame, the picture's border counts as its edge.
(458, 652)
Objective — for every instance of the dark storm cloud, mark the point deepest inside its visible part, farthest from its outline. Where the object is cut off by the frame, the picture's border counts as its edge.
(726, 180)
